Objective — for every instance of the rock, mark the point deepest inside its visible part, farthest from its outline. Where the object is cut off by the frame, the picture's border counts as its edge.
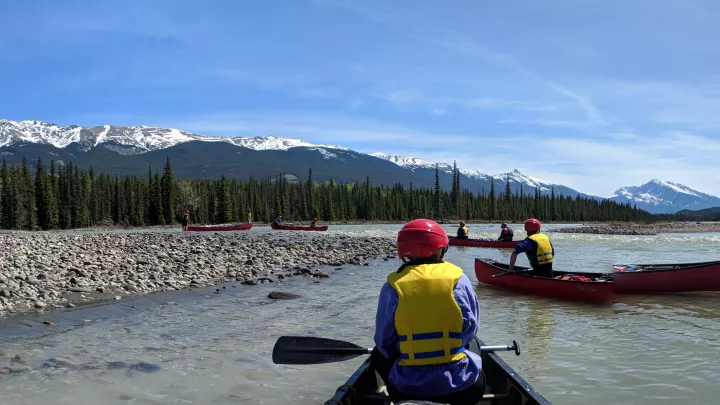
(80, 289)
(40, 304)
(249, 282)
(278, 295)
(321, 274)
(60, 362)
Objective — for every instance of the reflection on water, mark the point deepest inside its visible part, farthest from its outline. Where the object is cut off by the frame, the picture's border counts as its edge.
(214, 348)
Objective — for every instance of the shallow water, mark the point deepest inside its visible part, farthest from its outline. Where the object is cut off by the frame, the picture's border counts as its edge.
(214, 348)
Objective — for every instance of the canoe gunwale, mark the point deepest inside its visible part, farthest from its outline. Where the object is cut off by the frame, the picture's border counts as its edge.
(502, 382)
(648, 268)
(588, 292)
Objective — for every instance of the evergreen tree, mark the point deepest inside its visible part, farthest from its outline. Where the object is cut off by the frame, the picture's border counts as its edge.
(168, 198)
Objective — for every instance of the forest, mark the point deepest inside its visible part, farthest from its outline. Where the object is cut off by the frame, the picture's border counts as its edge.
(61, 196)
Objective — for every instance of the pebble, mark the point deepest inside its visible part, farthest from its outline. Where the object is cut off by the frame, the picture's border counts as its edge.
(43, 270)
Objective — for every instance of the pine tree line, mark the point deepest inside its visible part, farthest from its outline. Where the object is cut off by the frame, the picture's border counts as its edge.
(66, 197)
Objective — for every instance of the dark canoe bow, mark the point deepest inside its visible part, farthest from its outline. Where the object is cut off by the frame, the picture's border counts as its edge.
(504, 386)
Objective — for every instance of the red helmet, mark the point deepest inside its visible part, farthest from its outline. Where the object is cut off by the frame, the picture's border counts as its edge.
(462, 223)
(532, 225)
(187, 211)
(314, 219)
(421, 238)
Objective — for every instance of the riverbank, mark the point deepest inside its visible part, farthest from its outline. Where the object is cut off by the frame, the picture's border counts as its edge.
(40, 271)
(654, 228)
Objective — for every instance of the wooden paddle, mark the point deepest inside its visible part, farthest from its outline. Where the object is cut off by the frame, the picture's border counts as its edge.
(315, 350)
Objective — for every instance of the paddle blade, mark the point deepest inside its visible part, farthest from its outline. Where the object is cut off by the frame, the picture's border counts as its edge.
(314, 350)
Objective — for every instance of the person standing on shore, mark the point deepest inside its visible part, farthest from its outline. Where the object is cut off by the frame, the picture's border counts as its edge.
(538, 248)
(506, 233)
(426, 322)
(249, 214)
(185, 220)
(463, 232)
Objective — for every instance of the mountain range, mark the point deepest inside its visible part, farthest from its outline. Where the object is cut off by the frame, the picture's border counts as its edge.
(129, 151)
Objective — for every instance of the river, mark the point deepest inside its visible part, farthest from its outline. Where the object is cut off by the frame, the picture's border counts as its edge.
(215, 347)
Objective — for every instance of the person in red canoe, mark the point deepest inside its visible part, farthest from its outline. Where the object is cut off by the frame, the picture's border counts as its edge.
(185, 220)
(462, 232)
(278, 220)
(506, 233)
(538, 248)
(312, 224)
(426, 322)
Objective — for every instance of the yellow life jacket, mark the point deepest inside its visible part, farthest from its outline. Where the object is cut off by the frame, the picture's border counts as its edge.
(465, 230)
(544, 253)
(428, 321)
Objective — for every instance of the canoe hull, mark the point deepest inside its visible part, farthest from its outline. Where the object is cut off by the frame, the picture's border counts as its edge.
(273, 225)
(668, 278)
(595, 292)
(483, 243)
(218, 228)
(504, 386)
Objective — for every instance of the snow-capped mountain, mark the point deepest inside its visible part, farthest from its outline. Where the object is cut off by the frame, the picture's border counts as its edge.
(662, 197)
(123, 150)
(528, 181)
(412, 163)
(129, 140)
(477, 180)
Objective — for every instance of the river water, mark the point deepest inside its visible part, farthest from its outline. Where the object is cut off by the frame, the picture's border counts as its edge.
(215, 347)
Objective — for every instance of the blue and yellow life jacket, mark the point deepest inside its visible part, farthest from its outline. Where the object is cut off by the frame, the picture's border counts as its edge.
(463, 231)
(428, 321)
(544, 253)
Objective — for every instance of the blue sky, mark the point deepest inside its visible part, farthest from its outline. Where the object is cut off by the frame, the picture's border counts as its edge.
(594, 94)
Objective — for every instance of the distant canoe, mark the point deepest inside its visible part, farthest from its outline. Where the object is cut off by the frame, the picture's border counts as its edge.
(666, 278)
(219, 228)
(273, 225)
(483, 243)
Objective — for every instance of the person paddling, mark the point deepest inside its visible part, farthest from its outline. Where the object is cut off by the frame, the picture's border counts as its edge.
(313, 223)
(185, 220)
(278, 221)
(249, 214)
(463, 232)
(506, 233)
(538, 248)
(426, 322)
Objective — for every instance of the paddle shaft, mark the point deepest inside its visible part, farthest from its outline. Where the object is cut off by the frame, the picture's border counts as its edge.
(362, 350)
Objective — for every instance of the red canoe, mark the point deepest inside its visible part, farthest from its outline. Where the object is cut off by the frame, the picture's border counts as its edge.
(482, 243)
(219, 228)
(666, 278)
(273, 225)
(598, 292)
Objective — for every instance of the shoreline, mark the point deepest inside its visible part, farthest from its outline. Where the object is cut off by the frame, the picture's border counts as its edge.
(654, 228)
(106, 228)
(49, 271)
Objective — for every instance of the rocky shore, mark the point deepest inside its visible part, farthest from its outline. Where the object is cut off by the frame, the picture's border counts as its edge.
(45, 271)
(654, 228)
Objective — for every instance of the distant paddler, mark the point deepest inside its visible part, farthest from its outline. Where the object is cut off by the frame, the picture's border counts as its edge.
(185, 220)
(463, 232)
